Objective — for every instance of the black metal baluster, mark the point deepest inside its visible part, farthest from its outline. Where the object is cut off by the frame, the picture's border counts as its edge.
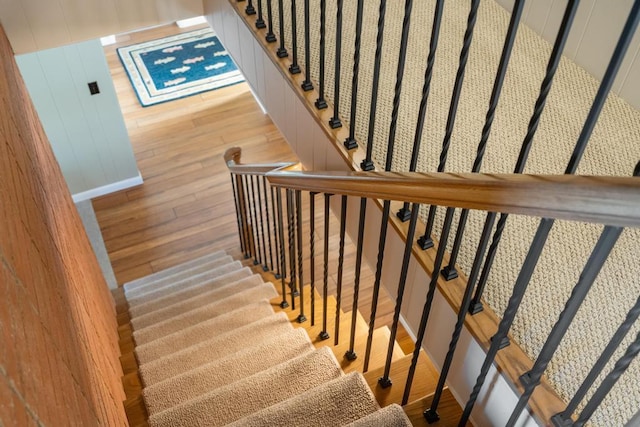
(283, 261)
(260, 207)
(292, 249)
(351, 354)
(610, 380)
(530, 380)
(301, 317)
(312, 255)
(324, 335)
(275, 233)
(268, 226)
(321, 103)
(294, 68)
(251, 220)
(335, 122)
(449, 272)
(343, 224)
(260, 21)
(255, 204)
(367, 163)
(270, 37)
(350, 143)
(250, 10)
(385, 381)
(282, 51)
(306, 84)
(238, 214)
(426, 241)
(405, 213)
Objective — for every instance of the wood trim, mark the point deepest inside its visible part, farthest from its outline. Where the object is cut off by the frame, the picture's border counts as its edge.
(606, 200)
(232, 159)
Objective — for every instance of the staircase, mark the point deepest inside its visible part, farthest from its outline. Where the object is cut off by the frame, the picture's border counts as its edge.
(207, 343)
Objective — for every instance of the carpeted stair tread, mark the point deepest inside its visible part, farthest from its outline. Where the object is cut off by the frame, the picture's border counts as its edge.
(195, 302)
(265, 291)
(176, 269)
(338, 402)
(203, 331)
(181, 286)
(178, 276)
(232, 402)
(213, 349)
(389, 416)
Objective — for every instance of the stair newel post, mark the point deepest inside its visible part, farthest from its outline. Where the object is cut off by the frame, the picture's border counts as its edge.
(306, 84)
(294, 68)
(282, 51)
(298, 194)
(291, 218)
(343, 225)
(250, 9)
(367, 163)
(260, 208)
(250, 218)
(351, 354)
(350, 143)
(312, 256)
(335, 122)
(404, 213)
(270, 37)
(260, 21)
(450, 272)
(324, 335)
(385, 381)
(426, 241)
(321, 103)
(268, 222)
(283, 260)
(240, 221)
(254, 205)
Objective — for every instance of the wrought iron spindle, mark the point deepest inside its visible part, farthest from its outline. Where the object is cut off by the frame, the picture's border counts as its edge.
(256, 217)
(312, 255)
(260, 21)
(351, 354)
(324, 335)
(260, 207)
(306, 84)
(530, 380)
(294, 68)
(449, 272)
(343, 224)
(350, 143)
(282, 51)
(292, 249)
(367, 163)
(250, 10)
(270, 37)
(283, 265)
(335, 122)
(321, 103)
(385, 381)
(268, 225)
(404, 213)
(278, 249)
(251, 220)
(301, 317)
(425, 241)
(238, 214)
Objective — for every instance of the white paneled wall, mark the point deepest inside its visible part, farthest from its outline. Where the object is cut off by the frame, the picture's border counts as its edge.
(87, 133)
(317, 152)
(595, 31)
(33, 25)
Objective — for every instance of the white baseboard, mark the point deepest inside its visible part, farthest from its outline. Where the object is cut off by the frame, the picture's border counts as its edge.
(107, 189)
(190, 22)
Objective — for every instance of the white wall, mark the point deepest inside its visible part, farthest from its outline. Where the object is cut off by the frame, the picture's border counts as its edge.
(316, 152)
(87, 133)
(593, 36)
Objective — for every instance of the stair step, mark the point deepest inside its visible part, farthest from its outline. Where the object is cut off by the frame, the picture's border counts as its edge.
(180, 293)
(234, 367)
(202, 331)
(389, 416)
(335, 403)
(262, 390)
(448, 409)
(174, 274)
(193, 317)
(215, 348)
(424, 381)
(172, 270)
(198, 301)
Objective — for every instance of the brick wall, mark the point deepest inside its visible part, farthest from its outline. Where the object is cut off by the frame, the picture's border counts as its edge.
(58, 338)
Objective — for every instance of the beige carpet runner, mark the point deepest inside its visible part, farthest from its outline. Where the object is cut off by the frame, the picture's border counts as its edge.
(212, 352)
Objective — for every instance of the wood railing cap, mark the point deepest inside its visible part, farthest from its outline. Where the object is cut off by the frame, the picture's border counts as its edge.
(232, 157)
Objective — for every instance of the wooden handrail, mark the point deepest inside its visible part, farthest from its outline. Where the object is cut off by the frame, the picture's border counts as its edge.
(232, 159)
(603, 200)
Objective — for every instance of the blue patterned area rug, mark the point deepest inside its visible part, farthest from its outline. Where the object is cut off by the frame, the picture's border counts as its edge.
(178, 66)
